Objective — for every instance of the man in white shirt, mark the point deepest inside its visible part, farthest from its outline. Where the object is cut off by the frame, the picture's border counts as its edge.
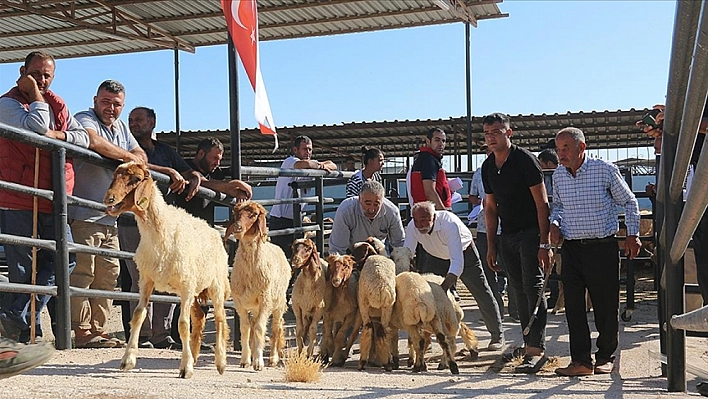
(451, 253)
(281, 215)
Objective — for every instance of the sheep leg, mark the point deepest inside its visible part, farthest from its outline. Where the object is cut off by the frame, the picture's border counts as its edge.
(356, 326)
(245, 327)
(393, 336)
(277, 335)
(366, 333)
(312, 334)
(299, 328)
(385, 333)
(198, 321)
(258, 325)
(447, 353)
(327, 349)
(222, 333)
(186, 367)
(131, 351)
(419, 347)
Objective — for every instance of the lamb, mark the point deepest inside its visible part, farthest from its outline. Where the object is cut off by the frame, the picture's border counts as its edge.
(310, 292)
(361, 250)
(451, 315)
(178, 253)
(377, 294)
(416, 312)
(259, 282)
(403, 258)
(342, 311)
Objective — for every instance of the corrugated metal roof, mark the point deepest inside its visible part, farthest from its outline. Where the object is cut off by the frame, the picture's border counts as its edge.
(79, 28)
(603, 130)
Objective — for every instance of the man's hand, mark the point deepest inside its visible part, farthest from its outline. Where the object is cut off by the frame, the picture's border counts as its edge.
(544, 259)
(56, 134)
(492, 258)
(239, 190)
(556, 236)
(650, 189)
(449, 282)
(632, 245)
(177, 182)
(130, 157)
(28, 86)
(651, 131)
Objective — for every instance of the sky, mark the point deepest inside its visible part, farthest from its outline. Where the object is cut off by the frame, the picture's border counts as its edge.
(546, 57)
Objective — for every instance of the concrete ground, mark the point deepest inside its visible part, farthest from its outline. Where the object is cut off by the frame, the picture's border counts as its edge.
(94, 373)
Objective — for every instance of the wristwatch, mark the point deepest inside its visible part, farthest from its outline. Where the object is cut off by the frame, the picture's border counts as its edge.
(544, 246)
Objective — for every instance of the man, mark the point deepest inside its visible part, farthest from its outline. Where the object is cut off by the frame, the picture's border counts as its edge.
(210, 151)
(587, 194)
(350, 164)
(32, 106)
(364, 216)
(95, 228)
(548, 158)
(156, 329)
(428, 180)
(281, 215)
(452, 254)
(515, 193)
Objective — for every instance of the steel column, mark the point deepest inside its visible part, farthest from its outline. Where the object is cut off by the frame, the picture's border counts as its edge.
(61, 255)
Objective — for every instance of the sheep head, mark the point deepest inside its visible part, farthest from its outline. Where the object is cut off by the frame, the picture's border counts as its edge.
(378, 245)
(341, 268)
(131, 190)
(403, 258)
(249, 221)
(303, 252)
(361, 251)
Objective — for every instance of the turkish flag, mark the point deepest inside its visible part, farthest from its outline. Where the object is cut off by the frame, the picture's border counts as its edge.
(242, 22)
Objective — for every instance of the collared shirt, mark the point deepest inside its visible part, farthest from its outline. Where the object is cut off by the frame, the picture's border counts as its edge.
(586, 205)
(352, 226)
(447, 240)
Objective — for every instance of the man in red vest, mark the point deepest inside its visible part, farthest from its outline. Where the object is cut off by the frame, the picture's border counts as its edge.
(428, 179)
(31, 106)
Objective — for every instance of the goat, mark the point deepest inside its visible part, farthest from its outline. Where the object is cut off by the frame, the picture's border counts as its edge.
(178, 253)
(310, 292)
(342, 311)
(259, 282)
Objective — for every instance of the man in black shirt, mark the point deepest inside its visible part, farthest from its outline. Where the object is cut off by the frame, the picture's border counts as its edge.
(515, 192)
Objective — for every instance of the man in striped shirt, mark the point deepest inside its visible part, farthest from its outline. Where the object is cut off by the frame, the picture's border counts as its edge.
(587, 192)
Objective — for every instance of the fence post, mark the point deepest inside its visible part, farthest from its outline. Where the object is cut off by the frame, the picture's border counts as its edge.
(61, 255)
(319, 212)
(297, 210)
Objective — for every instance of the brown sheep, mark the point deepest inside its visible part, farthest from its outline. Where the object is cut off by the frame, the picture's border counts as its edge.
(178, 253)
(342, 311)
(310, 292)
(259, 282)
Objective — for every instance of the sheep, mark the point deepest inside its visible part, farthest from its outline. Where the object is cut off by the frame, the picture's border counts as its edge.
(361, 250)
(403, 258)
(310, 292)
(451, 315)
(342, 312)
(417, 313)
(259, 282)
(376, 295)
(178, 253)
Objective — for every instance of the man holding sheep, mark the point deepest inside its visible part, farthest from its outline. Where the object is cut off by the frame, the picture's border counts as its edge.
(451, 253)
(367, 215)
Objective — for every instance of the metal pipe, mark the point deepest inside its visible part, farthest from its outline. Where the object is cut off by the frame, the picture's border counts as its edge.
(28, 289)
(178, 131)
(319, 212)
(692, 110)
(275, 172)
(696, 320)
(234, 122)
(468, 92)
(61, 255)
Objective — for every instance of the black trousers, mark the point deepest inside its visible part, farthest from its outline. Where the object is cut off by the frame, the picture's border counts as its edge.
(593, 265)
(284, 242)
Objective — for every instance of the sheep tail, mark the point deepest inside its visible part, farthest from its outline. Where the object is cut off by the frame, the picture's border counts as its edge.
(469, 339)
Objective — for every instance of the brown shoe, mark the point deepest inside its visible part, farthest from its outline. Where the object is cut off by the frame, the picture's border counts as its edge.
(604, 368)
(574, 369)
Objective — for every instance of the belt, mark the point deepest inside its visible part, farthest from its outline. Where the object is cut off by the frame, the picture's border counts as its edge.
(586, 241)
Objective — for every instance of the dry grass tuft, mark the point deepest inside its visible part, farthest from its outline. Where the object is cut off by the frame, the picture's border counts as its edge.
(300, 368)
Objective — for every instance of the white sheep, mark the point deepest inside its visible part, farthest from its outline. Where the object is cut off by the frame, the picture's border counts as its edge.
(178, 253)
(310, 292)
(416, 312)
(259, 282)
(376, 295)
(342, 312)
(451, 315)
(403, 258)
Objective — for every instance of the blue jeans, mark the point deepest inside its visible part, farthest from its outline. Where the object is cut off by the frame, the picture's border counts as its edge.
(520, 253)
(19, 262)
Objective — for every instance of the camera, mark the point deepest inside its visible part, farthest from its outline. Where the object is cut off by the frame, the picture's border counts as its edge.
(649, 119)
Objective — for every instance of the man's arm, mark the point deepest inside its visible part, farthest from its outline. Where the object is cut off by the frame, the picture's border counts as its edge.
(411, 241)
(556, 215)
(396, 236)
(457, 258)
(177, 180)
(312, 164)
(432, 195)
(540, 198)
(491, 218)
(109, 150)
(341, 233)
(233, 188)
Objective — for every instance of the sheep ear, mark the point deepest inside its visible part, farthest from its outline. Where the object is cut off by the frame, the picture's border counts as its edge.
(370, 251)
(263, 226)
(143, 193)
(229, 231)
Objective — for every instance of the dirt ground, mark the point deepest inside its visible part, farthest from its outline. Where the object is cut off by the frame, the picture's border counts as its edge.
(94, 373)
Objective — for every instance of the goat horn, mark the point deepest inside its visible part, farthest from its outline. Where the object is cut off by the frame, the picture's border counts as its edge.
(696, 320)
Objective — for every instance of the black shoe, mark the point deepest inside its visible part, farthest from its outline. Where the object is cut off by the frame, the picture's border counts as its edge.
(144, 342)
(168, 343)
(13, 328)
(702, 388)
